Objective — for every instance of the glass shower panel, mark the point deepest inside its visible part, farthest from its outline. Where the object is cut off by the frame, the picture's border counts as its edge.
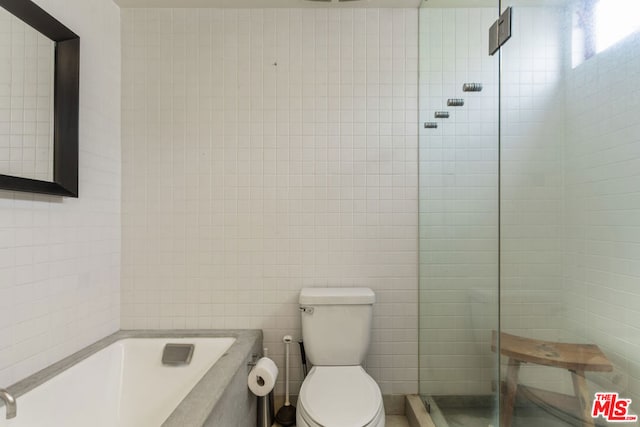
(570, 212)
(458, 212)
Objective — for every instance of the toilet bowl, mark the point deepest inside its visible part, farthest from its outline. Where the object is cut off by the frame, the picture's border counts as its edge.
(339, 396)
(336, 329)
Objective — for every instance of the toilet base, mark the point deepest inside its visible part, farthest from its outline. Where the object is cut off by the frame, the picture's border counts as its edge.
(303, 419)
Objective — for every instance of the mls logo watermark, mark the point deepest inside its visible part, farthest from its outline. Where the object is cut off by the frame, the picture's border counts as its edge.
(612, 408)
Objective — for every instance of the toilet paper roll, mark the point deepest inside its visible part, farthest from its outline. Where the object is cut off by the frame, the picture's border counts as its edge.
(262, 377)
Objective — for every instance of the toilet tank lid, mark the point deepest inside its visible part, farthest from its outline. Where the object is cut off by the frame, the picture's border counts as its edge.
(337, 296)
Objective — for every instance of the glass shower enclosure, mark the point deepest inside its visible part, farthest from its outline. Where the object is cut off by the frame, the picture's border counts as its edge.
(530, 213)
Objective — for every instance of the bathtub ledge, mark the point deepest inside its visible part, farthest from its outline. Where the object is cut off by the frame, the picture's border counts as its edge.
(198, 405)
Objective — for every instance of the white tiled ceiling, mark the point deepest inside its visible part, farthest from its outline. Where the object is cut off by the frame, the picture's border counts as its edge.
(268, 3)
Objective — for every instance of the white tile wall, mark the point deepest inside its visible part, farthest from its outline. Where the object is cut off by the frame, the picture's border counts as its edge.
(60, 257)
(268, 150)
(532, 152)
(26, 100)
(458, 203)
(602, 208)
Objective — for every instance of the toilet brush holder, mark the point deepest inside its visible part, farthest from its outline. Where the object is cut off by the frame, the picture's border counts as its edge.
(286, 416)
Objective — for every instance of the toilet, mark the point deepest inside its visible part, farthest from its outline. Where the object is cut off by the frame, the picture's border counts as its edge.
(336, 330)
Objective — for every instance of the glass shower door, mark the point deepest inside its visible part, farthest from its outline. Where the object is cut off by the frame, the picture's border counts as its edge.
(458, 212)
(570, 213)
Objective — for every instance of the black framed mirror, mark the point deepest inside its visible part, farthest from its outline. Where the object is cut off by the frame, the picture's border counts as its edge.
(65, 104)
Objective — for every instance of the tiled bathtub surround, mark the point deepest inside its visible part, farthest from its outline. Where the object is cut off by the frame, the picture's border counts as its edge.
(60, 257)
(264, 151)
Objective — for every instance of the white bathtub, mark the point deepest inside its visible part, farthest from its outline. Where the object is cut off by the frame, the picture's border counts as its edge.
(123, 384)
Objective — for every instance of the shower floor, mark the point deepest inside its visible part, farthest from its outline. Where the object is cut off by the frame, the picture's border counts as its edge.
(483, 417)
(479, 411)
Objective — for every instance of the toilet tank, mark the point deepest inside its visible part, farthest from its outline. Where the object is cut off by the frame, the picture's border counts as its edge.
(336, 324)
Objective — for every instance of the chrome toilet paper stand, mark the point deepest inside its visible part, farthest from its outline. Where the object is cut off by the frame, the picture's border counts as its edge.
(266, 406)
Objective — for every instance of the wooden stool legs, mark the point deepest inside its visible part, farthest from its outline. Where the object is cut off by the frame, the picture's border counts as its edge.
(511, 390)
(576, 358)
(584, 399)
(509, 397)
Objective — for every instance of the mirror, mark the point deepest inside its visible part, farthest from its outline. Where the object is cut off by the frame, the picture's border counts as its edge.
(26, 100)
(39, 88)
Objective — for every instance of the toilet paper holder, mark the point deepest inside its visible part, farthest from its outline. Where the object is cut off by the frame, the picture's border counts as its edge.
(265, 406)
(253, 360)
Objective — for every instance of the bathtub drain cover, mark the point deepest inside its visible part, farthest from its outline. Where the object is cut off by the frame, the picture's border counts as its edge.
(177, 354)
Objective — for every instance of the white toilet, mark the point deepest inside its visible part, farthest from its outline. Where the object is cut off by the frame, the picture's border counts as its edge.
(336, 329)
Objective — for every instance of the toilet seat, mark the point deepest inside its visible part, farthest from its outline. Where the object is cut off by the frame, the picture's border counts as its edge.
(340, 396)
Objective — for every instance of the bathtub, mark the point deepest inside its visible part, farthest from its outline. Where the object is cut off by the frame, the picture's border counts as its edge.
(121, 382)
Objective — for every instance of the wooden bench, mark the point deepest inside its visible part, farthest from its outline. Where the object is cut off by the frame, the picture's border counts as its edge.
(577, 358)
